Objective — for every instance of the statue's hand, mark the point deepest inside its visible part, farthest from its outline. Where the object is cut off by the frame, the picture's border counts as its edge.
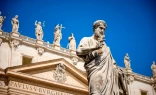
(99, 45)
(100, 51)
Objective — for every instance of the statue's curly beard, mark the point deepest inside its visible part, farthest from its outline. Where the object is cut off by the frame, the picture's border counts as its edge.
(98, 35)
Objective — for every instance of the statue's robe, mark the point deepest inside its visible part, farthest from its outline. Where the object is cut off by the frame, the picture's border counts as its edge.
(101, 69)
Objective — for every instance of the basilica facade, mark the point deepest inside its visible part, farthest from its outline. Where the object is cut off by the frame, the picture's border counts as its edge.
(33, 67)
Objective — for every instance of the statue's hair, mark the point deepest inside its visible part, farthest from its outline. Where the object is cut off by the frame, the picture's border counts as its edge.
(39, 22)
(97, 23)
(16, 15)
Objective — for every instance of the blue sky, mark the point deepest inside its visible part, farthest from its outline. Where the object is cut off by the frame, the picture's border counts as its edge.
(130, 24)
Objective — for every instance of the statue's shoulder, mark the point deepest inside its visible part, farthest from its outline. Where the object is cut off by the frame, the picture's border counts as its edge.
(86, 38)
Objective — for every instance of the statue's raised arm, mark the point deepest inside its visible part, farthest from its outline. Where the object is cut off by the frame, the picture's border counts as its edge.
(35, 22)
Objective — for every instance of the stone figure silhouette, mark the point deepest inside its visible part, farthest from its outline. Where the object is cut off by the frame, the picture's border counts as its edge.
(57, 35)
(103, 75)
(1, 21)
(39, 31)
(15, 24)
(72, 42)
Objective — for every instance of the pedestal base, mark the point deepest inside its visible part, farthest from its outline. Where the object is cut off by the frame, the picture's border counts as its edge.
(39, 41)
(16, 34)
(57, 47)
(73, 52)
(129, 70)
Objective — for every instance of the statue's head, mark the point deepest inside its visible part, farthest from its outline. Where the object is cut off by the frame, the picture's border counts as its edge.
(153, 62)
(57, 26)
(126, 54)
(99, 27)
(39, 23)
(71, 34)
(99, 23)
(16, 16)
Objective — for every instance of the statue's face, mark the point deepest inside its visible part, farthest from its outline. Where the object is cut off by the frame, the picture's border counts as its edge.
(154, 62)
(126, 54)
(39, 23)
(71, 35)
(16, 16)
(99, 32)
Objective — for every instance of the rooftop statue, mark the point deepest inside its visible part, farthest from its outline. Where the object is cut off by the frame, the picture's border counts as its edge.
(39, 31)
(57, 35)
(1, 21)
(127, 61)
(102, 72)
(153, 67)
(72, 42)
(15, 24)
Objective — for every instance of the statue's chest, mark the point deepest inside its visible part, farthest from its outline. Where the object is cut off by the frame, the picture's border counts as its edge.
(93, 43)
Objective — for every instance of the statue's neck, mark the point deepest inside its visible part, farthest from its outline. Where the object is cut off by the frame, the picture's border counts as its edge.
(97, 38)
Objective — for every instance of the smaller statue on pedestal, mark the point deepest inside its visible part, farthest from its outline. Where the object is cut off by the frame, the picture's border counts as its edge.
(39, 31)
(1, 21)
(15, 24)
(57, 35)
(153, 67)
(127, 61)
(72, 42)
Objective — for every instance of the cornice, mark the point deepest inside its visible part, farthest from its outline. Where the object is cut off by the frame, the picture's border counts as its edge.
(142, 78)
(33, 43)
(64, 52)
(138, 77)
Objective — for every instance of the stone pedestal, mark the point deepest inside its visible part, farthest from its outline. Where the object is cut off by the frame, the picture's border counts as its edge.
(39, 41)
(73, 52)
(16, 34)
(129, 70)
(57, 47)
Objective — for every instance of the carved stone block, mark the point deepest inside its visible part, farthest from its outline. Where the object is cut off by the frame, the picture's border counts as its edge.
(59, 73)
(40, 51)
(16, 34)
(57, 47)
(14, 44)
(39, 41)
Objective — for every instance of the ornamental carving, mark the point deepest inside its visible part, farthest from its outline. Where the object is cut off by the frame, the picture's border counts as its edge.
(59, 73)
(14, 44)
(40, 51)
(74, 60)
(130, 79)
